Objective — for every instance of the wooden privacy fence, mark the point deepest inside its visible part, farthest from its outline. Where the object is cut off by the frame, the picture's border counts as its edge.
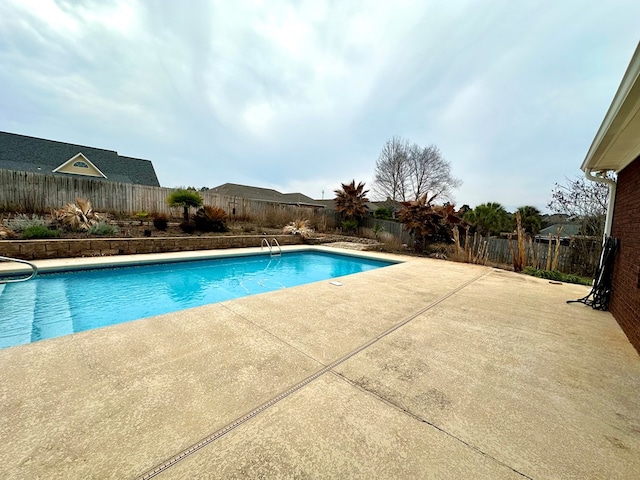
(498, 252)
(496, 249)
(569, 257)
(35, 192)
(388, 227)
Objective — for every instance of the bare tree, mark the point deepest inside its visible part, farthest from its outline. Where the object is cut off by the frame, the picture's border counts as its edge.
(580, 198)
(430, 174)
(407, 172)
(585, 201)
(391, 174)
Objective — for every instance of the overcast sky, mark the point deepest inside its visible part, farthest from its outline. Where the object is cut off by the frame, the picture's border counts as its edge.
(301, 96)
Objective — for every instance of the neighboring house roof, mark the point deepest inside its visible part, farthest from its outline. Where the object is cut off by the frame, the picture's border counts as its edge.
(568, 230)
(554, 218)
(392, 204)
(31, 154)
(617, 142)
(329, 203)
(264, 194)
(371, 206)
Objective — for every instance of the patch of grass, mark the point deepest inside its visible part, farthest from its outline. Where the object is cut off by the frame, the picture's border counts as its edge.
(557, 276)
(39, 231)
(298, 227)
(103, 229)
(393, 245)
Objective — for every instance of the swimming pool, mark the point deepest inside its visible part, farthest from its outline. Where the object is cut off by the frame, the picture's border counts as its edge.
(56, 304)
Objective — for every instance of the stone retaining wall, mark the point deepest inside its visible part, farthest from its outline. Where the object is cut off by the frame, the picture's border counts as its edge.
(95, 247)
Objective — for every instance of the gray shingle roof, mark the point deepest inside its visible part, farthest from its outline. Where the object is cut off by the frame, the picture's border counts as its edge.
(265, 194)
(31, 154)
(568, 230)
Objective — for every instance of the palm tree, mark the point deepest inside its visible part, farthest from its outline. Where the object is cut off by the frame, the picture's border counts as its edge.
(490, 219)
(531, 219)
(428, 222)
(351, 201)
(185, 198)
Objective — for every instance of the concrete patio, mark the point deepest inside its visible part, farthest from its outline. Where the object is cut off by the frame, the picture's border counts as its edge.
(425, 369)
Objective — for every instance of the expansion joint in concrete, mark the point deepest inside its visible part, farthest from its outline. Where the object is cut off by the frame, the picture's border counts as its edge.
(420, 419)
(158, 469)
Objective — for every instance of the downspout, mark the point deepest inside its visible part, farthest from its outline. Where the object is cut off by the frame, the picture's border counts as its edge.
(600, 178)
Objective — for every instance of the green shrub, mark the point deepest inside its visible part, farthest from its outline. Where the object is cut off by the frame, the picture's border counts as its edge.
(103, 229)
(557, 276)
(161, 222)
(382, 213)
(349, 226)
(39, 231)
(22, 221)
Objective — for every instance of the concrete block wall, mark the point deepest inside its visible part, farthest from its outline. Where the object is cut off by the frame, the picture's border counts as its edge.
(625, 294)
(94, 247)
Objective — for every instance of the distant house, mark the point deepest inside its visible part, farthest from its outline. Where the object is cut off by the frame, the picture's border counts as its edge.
(567, 230)
(556, 218)
(393, 206)
(265, 195)
(616, 148)
(30, 154)
(330, 204)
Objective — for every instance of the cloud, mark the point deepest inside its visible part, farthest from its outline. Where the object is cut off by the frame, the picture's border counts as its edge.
(304, 95)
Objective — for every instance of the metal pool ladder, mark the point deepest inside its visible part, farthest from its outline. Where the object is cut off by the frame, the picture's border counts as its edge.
(33, 268)
(271, 246)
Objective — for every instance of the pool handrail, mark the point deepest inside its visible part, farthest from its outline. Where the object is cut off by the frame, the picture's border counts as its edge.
(34, 269)
(274, 243)
(265, 243)
(270, 245)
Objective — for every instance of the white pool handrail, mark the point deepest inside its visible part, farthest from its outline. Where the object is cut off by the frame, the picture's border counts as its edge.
(274, 243)
(265, 243)
(270, 246)
(34, 269)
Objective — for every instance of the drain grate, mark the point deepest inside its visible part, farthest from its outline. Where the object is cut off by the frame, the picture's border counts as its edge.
(256, 411)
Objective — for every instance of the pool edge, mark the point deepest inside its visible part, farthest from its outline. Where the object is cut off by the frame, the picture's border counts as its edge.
(84, 263)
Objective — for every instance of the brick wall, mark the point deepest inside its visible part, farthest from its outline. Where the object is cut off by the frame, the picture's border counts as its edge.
(92, 247)
(625, 294)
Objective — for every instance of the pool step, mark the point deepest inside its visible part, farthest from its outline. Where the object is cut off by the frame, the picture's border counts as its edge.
(58, 320)
(16, 313)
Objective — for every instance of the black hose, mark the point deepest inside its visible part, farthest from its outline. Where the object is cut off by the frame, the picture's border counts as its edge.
(599, 295)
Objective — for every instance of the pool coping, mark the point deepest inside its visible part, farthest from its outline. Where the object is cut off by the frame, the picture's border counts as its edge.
(84, 263)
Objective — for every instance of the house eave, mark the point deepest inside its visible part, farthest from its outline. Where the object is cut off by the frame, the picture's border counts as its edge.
(617, 142)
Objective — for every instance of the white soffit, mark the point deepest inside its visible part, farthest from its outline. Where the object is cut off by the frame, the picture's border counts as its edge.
(617, 142)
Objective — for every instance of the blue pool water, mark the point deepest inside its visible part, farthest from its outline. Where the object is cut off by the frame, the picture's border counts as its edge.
(63, 303)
